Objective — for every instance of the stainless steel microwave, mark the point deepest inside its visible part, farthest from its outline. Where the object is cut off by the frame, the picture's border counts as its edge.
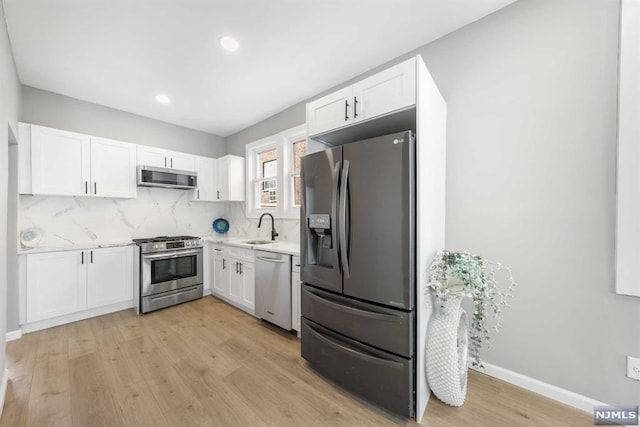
(151, 176)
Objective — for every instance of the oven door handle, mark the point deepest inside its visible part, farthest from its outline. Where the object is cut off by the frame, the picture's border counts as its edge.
(173, 254)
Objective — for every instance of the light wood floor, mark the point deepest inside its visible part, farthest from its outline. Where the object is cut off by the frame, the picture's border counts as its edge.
(205, 363)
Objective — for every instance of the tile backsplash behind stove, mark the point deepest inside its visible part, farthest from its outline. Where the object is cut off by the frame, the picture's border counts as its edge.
(68, 221)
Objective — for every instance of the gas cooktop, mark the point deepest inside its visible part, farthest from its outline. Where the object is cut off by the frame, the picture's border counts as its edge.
(167, 243)
(164, 239)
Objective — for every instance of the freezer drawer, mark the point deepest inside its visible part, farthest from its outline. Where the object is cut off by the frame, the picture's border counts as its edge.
(385, 328)
(380, 377)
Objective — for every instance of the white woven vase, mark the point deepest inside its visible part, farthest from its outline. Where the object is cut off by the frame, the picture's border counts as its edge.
(447, 349)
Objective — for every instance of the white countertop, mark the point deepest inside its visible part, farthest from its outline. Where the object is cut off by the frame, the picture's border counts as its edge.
(291, 248)
(284, 247)
(80, 247)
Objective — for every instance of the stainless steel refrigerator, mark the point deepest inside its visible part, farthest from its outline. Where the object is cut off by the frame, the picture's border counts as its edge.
(358, 268)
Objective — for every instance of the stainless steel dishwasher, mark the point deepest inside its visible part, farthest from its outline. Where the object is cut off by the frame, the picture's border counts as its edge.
(273, 288)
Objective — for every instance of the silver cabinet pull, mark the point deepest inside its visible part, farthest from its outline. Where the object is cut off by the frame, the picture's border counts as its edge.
(172, 163)
(355, 107)
(218, 194)
(165, 162)
(91, 257)
(346, 110)
(198, 194)
(82, 257)
(95, 188)
(224, 263)
(86, 187)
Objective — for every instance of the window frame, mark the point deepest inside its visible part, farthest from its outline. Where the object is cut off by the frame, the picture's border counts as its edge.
(283, 144)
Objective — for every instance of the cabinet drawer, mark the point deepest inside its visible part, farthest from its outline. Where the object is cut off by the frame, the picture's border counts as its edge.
(218, 249)
(385, 328)
(381, 377)
(242, 254)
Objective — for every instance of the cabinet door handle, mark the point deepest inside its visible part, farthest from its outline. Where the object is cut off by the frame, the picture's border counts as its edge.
(198, 194)
(82, 257)
(346, 110)
(165, 162)
(91, 257)
(224, 263)
(95, 188)
(172, 163)
(240, 268)
(218, 194)
(86, 187)
(237, 268)
(355, 107)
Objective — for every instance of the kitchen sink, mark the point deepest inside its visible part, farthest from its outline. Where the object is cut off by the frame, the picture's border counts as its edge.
(257, 242)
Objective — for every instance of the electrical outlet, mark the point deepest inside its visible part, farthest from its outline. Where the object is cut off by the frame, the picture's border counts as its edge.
(633, 368)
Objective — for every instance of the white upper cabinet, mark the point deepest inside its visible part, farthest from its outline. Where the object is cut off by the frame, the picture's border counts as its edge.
(150, 156)
(60, 162)
(207, 190)
(230, 179)
(72, 164)
(385, 92)
(113, 168)
(330, 112)
(160, 158)
(182, 161)
(389, 90)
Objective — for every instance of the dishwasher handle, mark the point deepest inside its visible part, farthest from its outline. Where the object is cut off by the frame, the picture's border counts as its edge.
(279, 261)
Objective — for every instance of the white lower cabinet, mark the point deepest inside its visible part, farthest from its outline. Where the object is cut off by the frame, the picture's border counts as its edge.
(67, 282)
(56, 284)
(110, 278)
(234, 276)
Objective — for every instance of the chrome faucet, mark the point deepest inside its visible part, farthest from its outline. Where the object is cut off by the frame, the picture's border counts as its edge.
(274, 234)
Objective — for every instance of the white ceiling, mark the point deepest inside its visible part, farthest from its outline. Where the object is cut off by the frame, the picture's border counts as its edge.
(121, 53)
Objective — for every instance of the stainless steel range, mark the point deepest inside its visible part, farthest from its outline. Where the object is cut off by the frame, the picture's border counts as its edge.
(170, 271)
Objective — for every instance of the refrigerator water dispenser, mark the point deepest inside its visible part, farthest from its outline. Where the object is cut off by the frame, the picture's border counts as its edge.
(321, 239)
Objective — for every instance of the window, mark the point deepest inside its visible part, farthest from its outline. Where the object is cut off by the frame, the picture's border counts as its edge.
(273, 174)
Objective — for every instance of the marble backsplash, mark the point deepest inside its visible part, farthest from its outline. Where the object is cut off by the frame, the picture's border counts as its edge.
(68, 221)
(240, 225)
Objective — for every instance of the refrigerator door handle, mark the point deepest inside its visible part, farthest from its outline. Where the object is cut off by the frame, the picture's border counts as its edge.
(351, 350)
(343, 218)
(334, 212)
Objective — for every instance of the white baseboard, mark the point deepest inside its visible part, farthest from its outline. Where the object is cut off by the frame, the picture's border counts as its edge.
(14, 335)
(74, 317)
(3, 389)
(567, 397)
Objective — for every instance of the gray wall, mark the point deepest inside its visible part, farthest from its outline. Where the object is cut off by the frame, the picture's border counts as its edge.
(58, 111)
(9, 107)
(532, 95)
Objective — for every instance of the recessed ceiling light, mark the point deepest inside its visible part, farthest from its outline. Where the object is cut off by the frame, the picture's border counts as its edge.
(229, 43)
(163, 99)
